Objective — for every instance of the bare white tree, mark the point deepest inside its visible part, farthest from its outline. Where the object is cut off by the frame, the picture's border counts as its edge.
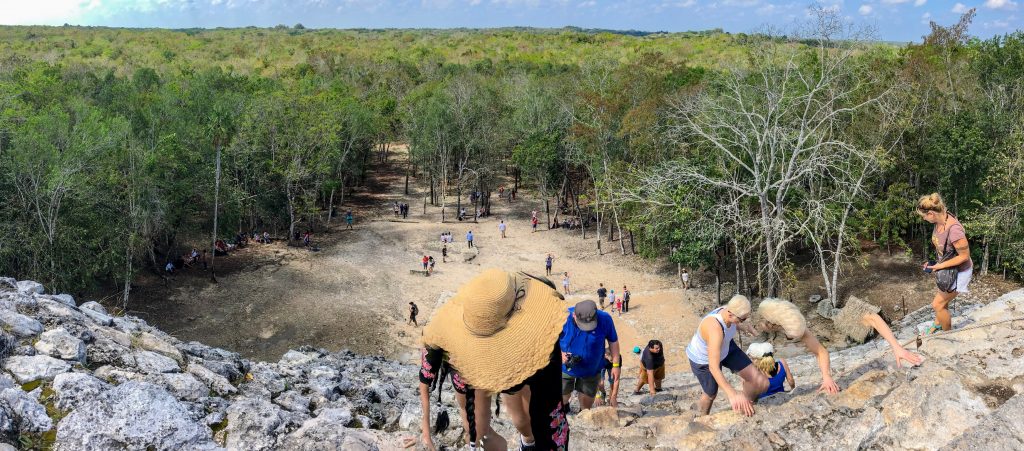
(771, 142)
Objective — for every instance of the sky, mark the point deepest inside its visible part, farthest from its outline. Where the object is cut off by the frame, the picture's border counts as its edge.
(893, 20)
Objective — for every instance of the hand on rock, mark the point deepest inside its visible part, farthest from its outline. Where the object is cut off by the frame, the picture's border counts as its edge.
(829, 386)
(911, 358)
(741, 404)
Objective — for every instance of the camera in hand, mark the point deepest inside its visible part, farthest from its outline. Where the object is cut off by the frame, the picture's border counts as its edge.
(572, 360)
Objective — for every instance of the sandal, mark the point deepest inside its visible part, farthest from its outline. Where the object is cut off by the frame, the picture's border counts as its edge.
(934, 328)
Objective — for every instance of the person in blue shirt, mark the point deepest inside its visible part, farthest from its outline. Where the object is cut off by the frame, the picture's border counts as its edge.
(583, 343)
(777, 371)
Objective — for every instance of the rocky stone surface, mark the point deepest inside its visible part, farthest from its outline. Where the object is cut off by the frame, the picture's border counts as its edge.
(144, 389)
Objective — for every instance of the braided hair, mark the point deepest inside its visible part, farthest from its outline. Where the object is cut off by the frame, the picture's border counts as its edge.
(442, 421)
(471, 413)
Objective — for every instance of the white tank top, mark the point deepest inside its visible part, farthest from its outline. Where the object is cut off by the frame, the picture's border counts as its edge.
(698, 348)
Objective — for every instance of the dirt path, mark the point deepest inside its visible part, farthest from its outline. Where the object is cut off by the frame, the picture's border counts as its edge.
(354, 293)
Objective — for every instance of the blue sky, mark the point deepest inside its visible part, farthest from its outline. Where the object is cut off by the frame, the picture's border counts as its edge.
(895, 20)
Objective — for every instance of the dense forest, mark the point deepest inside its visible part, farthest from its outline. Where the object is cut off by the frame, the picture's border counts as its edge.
(120, 147)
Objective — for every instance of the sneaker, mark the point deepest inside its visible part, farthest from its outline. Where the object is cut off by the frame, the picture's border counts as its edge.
(525, 447)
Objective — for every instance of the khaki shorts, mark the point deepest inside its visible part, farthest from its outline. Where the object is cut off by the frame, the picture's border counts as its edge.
(659, 374)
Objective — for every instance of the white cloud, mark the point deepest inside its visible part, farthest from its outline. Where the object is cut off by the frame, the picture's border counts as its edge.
(1000, 4)
(864, 10)
(920, 2)
(587, 4)
(894, 2)
(959, 8)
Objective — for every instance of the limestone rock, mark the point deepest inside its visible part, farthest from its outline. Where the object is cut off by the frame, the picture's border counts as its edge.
(153, 343)
(29, 414)
(254, 424)
(28, 287)
(849, 319)
(153, 363)
(219, 384)
(64, 298)
(294, 402)
(74, 389)
(326, 432)
(116, 375)
(94, 306)
(134, 415)
(27, 369)
(184, 386)
(20, 325)
(61, 344)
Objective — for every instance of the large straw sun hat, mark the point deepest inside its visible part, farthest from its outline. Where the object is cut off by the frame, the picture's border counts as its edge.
(499, 329)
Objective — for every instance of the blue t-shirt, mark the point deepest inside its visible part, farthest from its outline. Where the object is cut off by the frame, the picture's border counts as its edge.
(588, 345)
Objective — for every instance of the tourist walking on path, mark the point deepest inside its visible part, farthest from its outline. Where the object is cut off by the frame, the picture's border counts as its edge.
(349, 219)
(547, 264)
(953, 267)
(778, 315)
(394, 208)
(469, 238)
(425, 262)
(712, 347)
(533, 224)
(565, 283)
(467, 341)
(652, 368)
(501, 228)
(625, 299)
(583, 342)
(430, 261)
(413, 311)
(614, 302)
(686, 280)
(444, 253)
(777, 371)
(602, 293)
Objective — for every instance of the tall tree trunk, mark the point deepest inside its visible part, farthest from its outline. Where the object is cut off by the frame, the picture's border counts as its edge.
(984, 261)
(330, 207)
(216, 206)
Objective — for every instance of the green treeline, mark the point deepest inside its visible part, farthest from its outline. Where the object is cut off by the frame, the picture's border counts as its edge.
(722, 151)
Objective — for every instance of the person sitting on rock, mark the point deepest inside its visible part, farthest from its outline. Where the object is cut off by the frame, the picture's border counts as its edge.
(498, 334)
(652, 368)
(777, 371)
(712, 347)
(778, 315)
(859, 320)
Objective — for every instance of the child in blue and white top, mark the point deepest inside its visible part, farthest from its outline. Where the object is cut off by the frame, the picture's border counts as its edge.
(778, 372)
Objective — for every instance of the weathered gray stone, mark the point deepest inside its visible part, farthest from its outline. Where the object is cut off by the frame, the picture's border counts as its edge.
(94, 306)
(99, 318)
(20, 325)
(254, 424)
(29, 414)
(61, 344)
(28, 287)
(849, 321)
(219, 384)
(38, 367)
(293, 401)
(325, 432)
(184, 386)
(153, 363)
(134, 415)
(116, 375)
(65, 299)
(74, 389)
(153, 343)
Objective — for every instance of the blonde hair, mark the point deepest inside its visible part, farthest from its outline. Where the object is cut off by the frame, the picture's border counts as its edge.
(784, 314)
(931, 202)
(739, 305)
(766, 364)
